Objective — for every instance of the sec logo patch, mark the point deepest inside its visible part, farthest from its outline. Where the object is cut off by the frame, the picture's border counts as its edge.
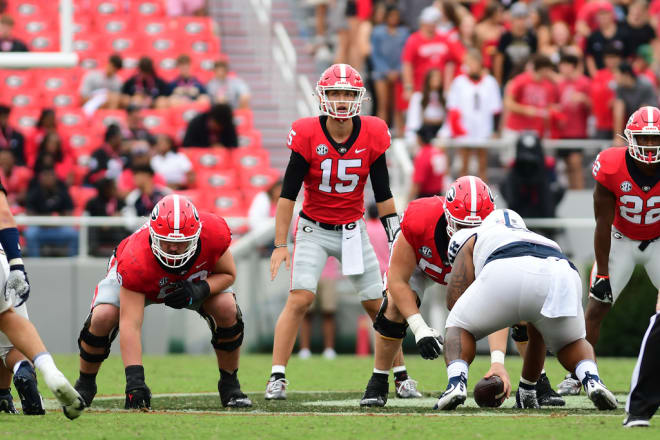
(322, 149)
(425, 251)
(626, 186)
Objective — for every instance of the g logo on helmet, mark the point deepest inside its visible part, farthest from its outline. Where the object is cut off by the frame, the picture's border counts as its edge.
(451, 194)
(490, 195)
(154, 213)
(195, 213)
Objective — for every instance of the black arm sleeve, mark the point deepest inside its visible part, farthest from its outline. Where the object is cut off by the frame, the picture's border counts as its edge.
(294, 175)
(380, 179)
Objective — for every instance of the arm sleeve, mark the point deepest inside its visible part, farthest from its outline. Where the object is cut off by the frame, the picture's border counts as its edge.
(380, 179)
(294, 175)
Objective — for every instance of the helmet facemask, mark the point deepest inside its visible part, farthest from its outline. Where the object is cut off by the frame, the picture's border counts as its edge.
(649, 151)
(454, 224)
(174, 261)
(330, 107)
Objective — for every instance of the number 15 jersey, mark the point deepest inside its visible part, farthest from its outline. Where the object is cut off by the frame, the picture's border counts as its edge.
(334, 184)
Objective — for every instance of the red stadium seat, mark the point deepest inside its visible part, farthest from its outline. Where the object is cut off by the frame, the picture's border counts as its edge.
(15, 80)
(201, 45)
(24, 119)
(103, 118)
(57, 80)
(29, 28)
(157, 121)
(71, 118)
(45, 42)
(217, 179)
(32, 9)
(56, 98)
(86, 44)
(81, 195)
(165, 64)
(203, 65)
(107, 7)
(154, 27)
(228, 204)
(181, 115)
(194, 26)
(25, 98)
(251, 159)
(147, 8)
(243, 120)
(81, 140)
(163, 44)
(116, 24)
(208, 158)
(123, 43)
(258, 180)
(83, 24)
(91, 60)
(251, 139)
(198, 198)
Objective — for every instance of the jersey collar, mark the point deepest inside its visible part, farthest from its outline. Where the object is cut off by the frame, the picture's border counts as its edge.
(357, 123)
(645, 182)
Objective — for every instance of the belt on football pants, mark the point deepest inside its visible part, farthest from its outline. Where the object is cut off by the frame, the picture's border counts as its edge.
(527, 249)
(645, 243)
(326, 226)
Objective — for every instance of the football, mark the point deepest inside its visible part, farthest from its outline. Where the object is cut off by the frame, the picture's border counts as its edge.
(489, 392)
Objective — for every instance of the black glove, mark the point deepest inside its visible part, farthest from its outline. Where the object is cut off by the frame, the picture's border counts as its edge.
(18, 284)
(138, 394)
(392, 225)
(430, 347)
(186, 293)
(601, 290)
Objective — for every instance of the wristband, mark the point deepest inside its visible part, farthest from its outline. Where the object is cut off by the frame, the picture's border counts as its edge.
(416, 322)
(9, 241)
(607, 277)
(280, 245)
(497, 356)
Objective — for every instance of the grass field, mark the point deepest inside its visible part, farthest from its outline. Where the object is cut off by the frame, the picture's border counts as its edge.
(323, 403)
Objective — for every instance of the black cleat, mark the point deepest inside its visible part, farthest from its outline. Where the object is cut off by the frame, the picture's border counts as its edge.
(231, 395)
(632, 421)
(376, 392)
(25, 381)
(7, 403)
(545, 395)
(87, 390)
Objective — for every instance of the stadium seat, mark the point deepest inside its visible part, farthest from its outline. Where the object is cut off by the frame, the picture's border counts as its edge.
(250, 159)
(181, 115)
(249, 140)
(45, 42)
(57, 80)
(81, 195)
(32, 27)
(165, 64)
(243, 120)
(91, 60)
(54, 98)
(228, 204)
(123, 43)
(203, 65)
(83, 24)
(157, 121)
(32, 9)
(25, 98)
(82, 141)
(71, 118)
(216, 179)
(197, 197)
(208, 158)
(201, 45)
(147, 8)
(24, 119)
(116, 24)
(86, 44)
(103, 118)
(163, 44)
(154, 27)
(258, 180)
(15, 80)
(194, 26)
(107, 7)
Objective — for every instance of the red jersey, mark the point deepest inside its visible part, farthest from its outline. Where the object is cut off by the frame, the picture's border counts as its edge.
(637, 212)
(430, 168)
(334, 184)
(602, 97)
(139, 270)
(574, 123)
(425, 228)
(537, 93)
(429, 53)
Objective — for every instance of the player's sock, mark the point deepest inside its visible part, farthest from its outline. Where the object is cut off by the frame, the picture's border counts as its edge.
(526, 384)
(226, 375)
(379, 375)
(456, 368)
(277, 372)
(584, 367)
(400, 373)
(5, 390)
(87, 377)
(44, 363)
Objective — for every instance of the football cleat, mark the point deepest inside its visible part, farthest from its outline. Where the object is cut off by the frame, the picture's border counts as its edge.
(545, 395)
(526, 399)
(25, 381)
(329, 354)
(598, 393)
(72, 404)
(276, 389)
(87, 390)
(304, 353)
(635, 421)
(376, 393)
(7, 403)
(569, 386)
(454, 395)
(407, 389)
(231, 395)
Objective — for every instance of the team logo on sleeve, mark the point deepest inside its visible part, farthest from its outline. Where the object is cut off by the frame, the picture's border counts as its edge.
(322, 149)
(626, 186)
(425, 251)
(451, 194)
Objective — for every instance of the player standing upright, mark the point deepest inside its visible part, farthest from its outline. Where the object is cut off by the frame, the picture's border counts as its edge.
(333, 154)
(627, 211)
(180, 258)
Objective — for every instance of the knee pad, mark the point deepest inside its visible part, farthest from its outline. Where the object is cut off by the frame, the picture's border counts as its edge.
(519, 333)
(95, 341)
(389, 329)
(225, 332)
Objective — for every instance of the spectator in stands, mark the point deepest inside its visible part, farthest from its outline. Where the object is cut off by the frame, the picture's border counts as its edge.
(224, 88)
(15, 179)
(602, 93)
(214, 128)
(473, 103)
(186, 88)
(429, 167)
(47, 123)
(7, 42)
(645, 65)
(108, 160)
(516, 45)
(103, 239)
(574, 105)
(144, 197)
(632, 92)
(102, 88)
(608, 33)
(426, 108)
(531, 99)
(173, 165)
(561, 42)
(637, 28)
(186, 8)
(145, 89)
(135, 129)
(489, 30)
(49, 196)
(263, 206)
(467, 33)
(64, 160)
(426, 49)
(411, 10)
(140, 154)
(387, 41)
(11, 139)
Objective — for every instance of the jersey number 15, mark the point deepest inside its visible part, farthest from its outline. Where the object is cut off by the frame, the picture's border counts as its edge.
(350, 181)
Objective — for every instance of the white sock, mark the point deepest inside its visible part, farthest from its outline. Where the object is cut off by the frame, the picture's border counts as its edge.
(44, 363)
(277, 369)
(584, 367)
(527, 382)
(385, 372)
(398, 369)
(542, 372)
(17, 365)
(455, 368)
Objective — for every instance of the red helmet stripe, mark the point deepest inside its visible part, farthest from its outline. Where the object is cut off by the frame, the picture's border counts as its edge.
(177, 213)
(473, 195)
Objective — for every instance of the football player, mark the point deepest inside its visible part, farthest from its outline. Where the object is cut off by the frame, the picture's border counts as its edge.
(19, 339)
(627, 211)
(332, 154)
(180, 258)
(502, 274)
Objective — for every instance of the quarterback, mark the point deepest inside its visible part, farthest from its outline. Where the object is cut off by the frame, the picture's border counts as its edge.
(180, 258)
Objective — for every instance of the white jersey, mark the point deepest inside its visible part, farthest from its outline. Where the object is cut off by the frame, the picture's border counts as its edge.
(493, 235)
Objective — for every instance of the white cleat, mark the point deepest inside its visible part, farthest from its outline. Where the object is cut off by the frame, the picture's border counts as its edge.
(569, 386)
(72, 404)
(276, 389)
(598, 393)
(407, 389)
(329, 354)
(304, 353)
(454, 395)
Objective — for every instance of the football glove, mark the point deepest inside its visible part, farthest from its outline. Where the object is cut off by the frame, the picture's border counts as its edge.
(17, 284)
(138, 394)
(392, 225)
(428, 340)
(186, 293)
(601, 290)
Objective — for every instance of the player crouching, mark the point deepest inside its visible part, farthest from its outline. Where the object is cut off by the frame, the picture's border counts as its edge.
(180, 258)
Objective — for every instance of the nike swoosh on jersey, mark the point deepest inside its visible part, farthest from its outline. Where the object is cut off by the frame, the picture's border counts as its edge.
(359, 151)
(200, 265)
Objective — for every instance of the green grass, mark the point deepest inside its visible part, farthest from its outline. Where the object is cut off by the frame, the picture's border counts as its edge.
(322, 403)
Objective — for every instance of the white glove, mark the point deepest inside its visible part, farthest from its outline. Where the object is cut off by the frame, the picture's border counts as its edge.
(17, 285)
(429, 341)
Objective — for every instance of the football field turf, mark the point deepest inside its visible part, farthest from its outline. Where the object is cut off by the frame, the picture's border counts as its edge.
(323, 403)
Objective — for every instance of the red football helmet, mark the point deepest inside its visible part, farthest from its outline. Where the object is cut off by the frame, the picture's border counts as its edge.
(340, 77)
(467, 203)
(644, 122)
(174, 220)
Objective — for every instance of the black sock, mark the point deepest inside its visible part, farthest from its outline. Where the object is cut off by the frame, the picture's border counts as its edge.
(379, 377)
(574, 376)
(5, 390)
(277, 376)
(401, 375)
(88, 377)
(227, 377)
